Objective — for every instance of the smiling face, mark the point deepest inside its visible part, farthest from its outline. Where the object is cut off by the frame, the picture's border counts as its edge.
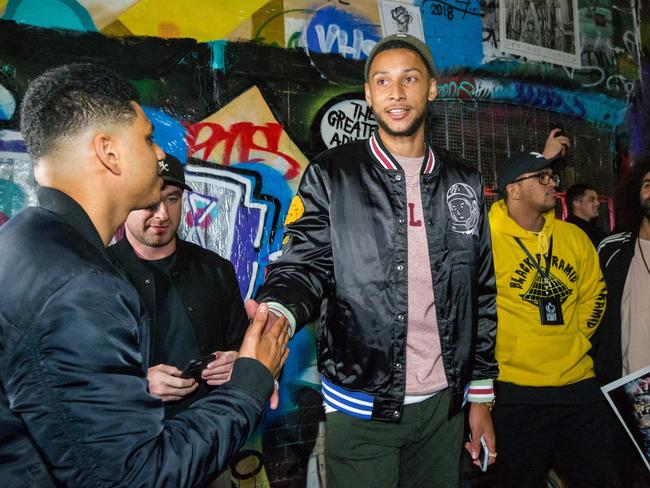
(398, 88)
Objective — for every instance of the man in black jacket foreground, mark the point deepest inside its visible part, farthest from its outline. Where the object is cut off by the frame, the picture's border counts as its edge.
(74, 405)
(391, 236)
(190, 294)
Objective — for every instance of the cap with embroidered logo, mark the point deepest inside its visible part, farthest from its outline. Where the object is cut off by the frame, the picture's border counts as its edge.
(171, 171)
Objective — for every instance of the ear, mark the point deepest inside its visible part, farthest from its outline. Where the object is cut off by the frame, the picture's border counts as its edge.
(433, 90)
(366, 88)
(104, 146)
(513, 191)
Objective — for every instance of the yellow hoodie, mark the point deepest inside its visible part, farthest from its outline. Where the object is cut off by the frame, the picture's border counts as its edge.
(529, 353)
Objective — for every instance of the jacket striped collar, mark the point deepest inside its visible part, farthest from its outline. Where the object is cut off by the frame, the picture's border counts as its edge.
(386, 160)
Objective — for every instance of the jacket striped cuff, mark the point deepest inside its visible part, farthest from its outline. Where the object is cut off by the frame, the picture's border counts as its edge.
(353, 403)
(279, 309)
(481, 391)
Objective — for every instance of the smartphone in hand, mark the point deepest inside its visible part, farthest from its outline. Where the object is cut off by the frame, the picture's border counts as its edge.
(483, 455)
(196, 365)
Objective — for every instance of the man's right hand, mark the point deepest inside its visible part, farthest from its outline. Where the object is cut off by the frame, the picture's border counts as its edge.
(267, 346)
(165, 382)
(556, 144)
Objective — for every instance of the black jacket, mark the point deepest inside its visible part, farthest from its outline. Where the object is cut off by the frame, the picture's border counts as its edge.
(208, 289)
(595, 233)
(615, 253)
(74, 407)
(346, 247)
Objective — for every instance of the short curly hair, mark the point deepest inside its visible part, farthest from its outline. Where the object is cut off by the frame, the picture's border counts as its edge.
(628, 205)
(67, 99)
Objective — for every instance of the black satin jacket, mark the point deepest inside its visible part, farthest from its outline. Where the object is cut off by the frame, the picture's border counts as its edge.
(74, 406)
(345, 259)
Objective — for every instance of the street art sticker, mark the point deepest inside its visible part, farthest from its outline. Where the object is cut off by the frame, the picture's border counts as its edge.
(245, 130)
(540, 32)
(400, 18)
(345, 121)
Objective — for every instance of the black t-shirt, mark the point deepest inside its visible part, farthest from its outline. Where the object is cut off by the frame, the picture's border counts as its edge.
(173, 340)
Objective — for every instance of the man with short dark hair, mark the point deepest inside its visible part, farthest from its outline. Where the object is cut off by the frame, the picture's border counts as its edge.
(583, 207)
(74, 406)
(191, 296)
(550, 300)
(390, 236)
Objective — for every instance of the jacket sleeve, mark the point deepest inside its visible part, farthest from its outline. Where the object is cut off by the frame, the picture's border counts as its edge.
(79, 386)
(592, 292)
(237, 320)
(485, 364)
(301, 277)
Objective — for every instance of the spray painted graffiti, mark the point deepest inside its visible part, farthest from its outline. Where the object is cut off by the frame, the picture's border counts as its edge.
(596, 108)
(245, 130)
(346, 120)
(240, 144)
(17, 186)
(227, 214)
(7, 104)
(331, 30)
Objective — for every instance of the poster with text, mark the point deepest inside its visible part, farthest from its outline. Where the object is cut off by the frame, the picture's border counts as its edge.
(630, 399)
(541, 30)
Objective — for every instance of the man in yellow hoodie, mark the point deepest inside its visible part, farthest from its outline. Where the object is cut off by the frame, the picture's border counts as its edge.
(550, 300)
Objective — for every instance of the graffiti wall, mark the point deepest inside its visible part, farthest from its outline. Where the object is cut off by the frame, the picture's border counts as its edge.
(245, 93)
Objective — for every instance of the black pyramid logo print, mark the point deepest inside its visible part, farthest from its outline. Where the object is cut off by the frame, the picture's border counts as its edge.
(541, 288)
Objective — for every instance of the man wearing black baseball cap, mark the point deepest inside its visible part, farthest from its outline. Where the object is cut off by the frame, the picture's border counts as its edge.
(550, 300)
(190, 293)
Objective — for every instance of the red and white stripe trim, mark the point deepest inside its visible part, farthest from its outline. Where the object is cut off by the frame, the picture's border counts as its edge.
(386, 160)
(380, 154)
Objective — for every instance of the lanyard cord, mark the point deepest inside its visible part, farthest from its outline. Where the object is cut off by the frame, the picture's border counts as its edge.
(545, 274)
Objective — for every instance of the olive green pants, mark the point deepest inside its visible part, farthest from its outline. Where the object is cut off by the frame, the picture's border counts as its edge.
(423, 450)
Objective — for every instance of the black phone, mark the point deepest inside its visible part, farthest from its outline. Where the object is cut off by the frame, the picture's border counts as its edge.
(196, 365)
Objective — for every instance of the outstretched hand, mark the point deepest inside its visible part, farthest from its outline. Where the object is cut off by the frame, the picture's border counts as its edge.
(251, 307)
(268, 346)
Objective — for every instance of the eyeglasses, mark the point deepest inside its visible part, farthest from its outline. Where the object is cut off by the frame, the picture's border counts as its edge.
(544, 178)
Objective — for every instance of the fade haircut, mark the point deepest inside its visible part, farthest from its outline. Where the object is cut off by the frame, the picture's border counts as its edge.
(68, 99)
(628, 205)
(576, 192)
